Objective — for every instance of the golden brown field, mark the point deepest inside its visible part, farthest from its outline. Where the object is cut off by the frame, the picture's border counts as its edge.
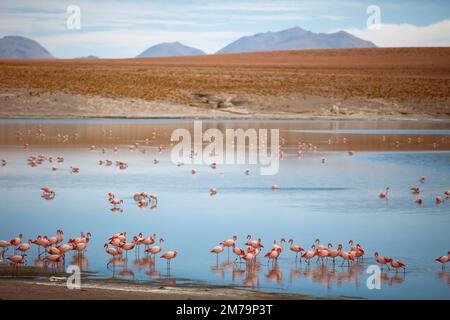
(362, 83)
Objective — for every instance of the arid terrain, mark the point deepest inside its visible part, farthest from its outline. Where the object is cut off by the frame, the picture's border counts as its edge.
(406, 83)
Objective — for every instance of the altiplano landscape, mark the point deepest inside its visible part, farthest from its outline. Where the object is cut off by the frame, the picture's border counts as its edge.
(368, 83)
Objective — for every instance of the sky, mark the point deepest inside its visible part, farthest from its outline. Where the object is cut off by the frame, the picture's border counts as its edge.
(121, 29)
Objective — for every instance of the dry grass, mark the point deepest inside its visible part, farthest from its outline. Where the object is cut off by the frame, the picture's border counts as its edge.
(401, 75)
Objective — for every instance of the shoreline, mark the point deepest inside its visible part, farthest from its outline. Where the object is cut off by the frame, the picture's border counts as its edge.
(103, 289)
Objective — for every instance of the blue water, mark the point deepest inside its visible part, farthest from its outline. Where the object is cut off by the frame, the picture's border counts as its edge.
(336, 201)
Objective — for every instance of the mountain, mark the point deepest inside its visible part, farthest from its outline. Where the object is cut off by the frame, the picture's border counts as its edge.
(295, 39)
(15, 47)
(172, 49)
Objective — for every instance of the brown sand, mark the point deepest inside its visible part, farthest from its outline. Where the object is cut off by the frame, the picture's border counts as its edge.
(406, 83)
(115, 290)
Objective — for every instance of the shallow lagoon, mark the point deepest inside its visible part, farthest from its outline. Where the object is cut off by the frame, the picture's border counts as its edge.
(335, 201)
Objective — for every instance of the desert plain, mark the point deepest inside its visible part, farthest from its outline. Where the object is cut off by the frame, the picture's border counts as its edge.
(340, 84)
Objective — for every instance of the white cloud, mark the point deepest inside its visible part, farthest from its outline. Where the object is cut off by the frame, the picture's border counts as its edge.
(407, 35)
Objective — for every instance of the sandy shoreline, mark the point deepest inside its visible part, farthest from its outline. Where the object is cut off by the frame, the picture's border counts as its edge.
(39, 104)
(40, 284)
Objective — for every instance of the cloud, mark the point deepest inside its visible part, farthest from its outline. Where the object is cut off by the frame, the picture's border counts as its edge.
(407, 35)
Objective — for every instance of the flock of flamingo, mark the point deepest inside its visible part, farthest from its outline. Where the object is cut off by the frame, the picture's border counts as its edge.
(355, 253)
(55, 250)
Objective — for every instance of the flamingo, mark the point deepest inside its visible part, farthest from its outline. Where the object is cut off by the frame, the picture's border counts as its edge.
(321, 254)
(384, 194)
(48, 192)
(273, 254)
(16, 241)
(4, 245)
(254, 243)
(127, 247)
(415, 190)
(217, 250)
(229, 243)
(398, 264)
(213, 191)
(308, 255)
(382, 260)
(58, 239)
(112, 251)
(63, 248)
(169, 255)
(444, 259)
(238, 251)
(156, 249)
(249, 257)
(439, 200)
(54, 260)
(447, 194)
(319, 246)
(148, 240)
(24, 247)
(115, 202)
(16, 261)
(345, 255)
(275, 246)
(332, 253)
(295, 248)
(275, 187)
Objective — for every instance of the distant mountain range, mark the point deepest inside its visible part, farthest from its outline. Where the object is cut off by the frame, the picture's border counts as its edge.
(15, 47)
(295, 39)
(170, 49)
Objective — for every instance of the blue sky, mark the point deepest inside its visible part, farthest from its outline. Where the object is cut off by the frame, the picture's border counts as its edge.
(117, 29)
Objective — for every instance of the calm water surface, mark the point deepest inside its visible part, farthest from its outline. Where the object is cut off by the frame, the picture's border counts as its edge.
(335, 201)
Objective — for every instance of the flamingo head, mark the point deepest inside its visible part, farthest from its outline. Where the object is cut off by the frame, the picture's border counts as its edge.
(283, 240)
(249, 237)
(140, 234)
(376, 254)
(317, 241)
(88, 235)
(235, 237)
(350, 242)
(340, 247)
(20, 236)
(330, 245)
(161, 239)
(291, 241)
(105, 246)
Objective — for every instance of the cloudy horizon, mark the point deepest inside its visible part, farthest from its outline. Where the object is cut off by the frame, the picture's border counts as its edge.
(113, 29)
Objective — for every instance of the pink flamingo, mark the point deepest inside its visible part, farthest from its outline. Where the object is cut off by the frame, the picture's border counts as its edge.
(444, 259)
(308, 255)
(229, 243)
(24, 247)
(254, 243)
(16, 261)
(147, 241)
(275, 246)
(398, 264)
(273, 254)
(58, 239)
(169, 255)
(295, 248)
(384, 194)
(16, 241)
(346, 256)
(127, 247)
(112, 251)
(4, 245)
(156, 249)
(382, 260)
(217, 250)
(332, 253)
